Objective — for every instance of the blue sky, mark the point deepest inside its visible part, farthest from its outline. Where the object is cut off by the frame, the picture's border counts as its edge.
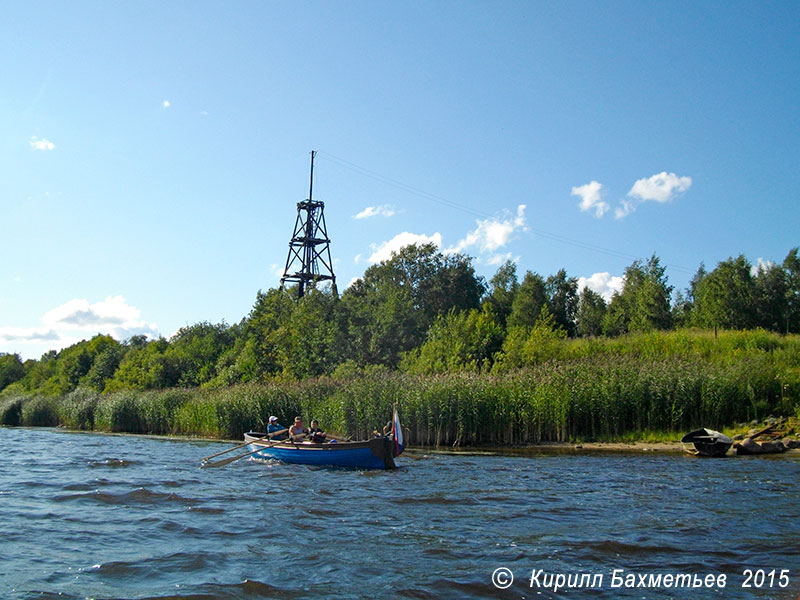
(153, 153)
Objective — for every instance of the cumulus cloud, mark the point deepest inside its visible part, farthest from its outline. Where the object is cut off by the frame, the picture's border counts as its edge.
(41, 144)
(661, 187)
(384, 210)
(166, 104)
(27, 334)
(602, 283)
(78, 319)
(591, 195)
(762, 266)
(492, 234)
(383, 251)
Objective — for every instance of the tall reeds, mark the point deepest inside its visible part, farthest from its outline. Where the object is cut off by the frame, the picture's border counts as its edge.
(595, 389)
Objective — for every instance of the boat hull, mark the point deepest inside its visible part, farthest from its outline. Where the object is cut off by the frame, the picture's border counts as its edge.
(707, 442)
(377, 453)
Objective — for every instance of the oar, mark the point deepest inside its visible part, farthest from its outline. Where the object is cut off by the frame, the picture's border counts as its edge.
(227, 461)
(335, 437)
(207, 458)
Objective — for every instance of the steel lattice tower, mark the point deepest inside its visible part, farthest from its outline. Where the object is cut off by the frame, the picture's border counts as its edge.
(309, 247)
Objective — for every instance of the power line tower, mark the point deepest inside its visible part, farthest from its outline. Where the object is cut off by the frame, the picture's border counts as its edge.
(309, 246)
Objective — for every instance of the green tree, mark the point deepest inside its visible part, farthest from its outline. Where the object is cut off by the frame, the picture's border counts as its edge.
(11, 369)
(107, 354)
(195, 349)
(771, 300)
(591, 309)
(528, 301)
(531, 345)
(145, 367)
(562, 299)
(791, 266)
(264, 330)
(457, 341)
(650, 303)
(725, 297)
(643, 304)
(390, 309)
(502, 290)
(313, 340)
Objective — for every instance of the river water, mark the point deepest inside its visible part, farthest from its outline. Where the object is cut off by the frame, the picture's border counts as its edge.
(98, 516)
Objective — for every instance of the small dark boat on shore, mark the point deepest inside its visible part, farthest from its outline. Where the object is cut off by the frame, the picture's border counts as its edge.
(706, 442)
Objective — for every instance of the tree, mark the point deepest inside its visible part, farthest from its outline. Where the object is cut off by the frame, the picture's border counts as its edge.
(562, 299)
(502, 290)
(650, 305)
(145, 367)
(195, 349)
(264, 331)
(771, 300)
(643, 303)
(11, 369)
(528, 301)
(459, 340)
(791, 266)
(312, 344)
(390, 309)
(107, 353)
(591, 309)
(532, 345)
(725, 297)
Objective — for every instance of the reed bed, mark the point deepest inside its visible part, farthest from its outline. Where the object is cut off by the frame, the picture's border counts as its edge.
(597, 394)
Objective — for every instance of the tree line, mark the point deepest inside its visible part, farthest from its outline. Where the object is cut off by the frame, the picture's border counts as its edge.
(420, 312)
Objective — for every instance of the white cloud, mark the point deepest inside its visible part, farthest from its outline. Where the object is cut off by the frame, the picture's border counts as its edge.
(384, 251)
(79, 314)
(384, 210)
(492, 234)
(41, 144)
(762, 266)
(625, 208)
(27, 334)
(591, 195)
(166, 104)
(661, 187)
(77, 319)
(276, 270)
(602, 283)
(498, 259)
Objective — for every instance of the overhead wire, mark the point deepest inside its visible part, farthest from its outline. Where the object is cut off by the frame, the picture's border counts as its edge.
(478, 213)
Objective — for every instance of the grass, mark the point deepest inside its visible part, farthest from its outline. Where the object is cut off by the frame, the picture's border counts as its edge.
(651, 387)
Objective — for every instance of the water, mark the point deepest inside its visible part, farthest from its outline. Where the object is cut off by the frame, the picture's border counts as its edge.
(96, 516)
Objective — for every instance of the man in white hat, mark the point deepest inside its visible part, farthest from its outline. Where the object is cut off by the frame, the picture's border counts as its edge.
(274, 427)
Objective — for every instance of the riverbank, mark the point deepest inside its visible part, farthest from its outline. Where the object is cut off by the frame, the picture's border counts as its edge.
(600, 398)
(611, 447)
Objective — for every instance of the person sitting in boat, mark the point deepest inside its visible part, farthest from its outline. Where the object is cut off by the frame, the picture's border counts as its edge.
(315, 434)
(275, 426)
(298, 429)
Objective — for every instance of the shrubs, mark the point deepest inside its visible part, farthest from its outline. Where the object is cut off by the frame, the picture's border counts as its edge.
(595, 389)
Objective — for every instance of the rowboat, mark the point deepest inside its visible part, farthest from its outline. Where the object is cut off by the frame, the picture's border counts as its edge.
(376, 453)
(706, 442)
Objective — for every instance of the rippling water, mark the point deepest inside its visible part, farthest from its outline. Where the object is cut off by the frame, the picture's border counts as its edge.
(95, 516)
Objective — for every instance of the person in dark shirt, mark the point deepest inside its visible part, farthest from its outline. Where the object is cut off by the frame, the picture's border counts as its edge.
(316, 434)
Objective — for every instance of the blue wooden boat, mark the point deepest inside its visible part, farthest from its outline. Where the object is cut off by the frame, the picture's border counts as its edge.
(376, 453)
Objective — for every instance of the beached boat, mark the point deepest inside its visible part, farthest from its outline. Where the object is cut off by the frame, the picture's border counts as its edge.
(706, 442)
(376, 453)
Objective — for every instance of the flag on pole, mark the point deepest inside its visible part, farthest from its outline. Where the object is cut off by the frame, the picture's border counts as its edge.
(397, 432)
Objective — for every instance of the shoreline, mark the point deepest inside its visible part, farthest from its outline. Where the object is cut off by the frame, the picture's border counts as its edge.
(540, 448)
